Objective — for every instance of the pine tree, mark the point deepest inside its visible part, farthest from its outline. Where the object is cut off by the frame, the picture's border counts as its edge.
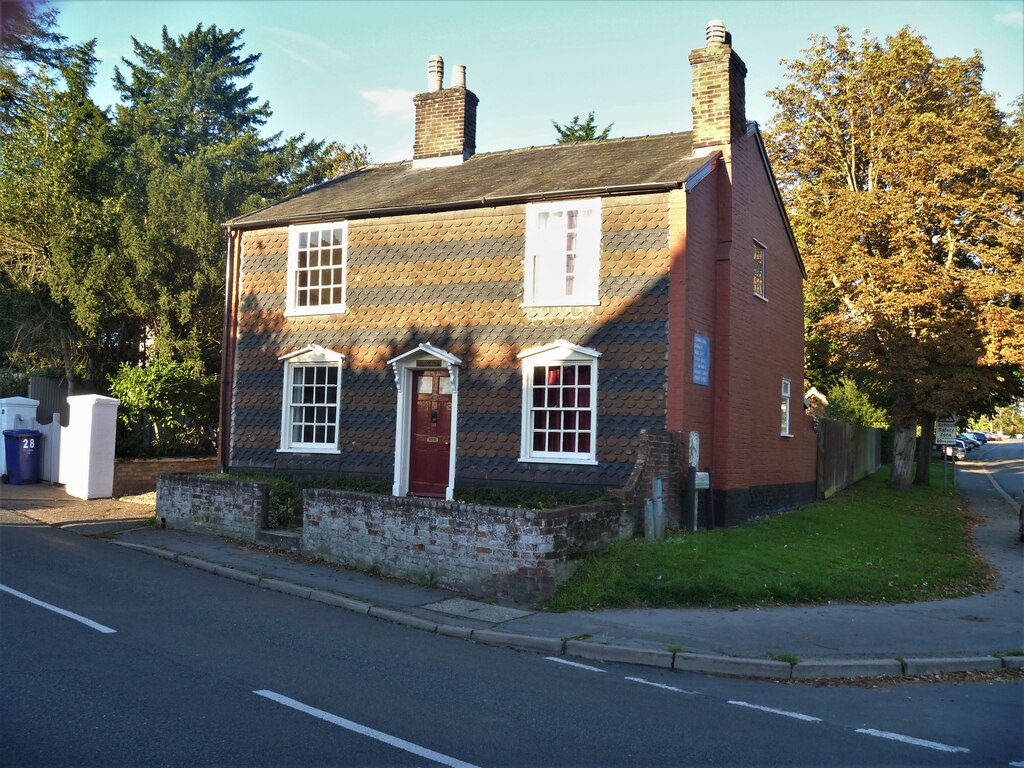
(575, 131)
(59, 264)
(195, 158)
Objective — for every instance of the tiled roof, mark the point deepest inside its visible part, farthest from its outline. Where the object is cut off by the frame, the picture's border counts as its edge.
(492, 178)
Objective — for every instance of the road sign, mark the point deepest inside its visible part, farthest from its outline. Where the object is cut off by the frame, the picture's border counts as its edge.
(945, 432)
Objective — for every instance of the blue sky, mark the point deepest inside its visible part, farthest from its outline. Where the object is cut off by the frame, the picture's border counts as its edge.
(347, 71)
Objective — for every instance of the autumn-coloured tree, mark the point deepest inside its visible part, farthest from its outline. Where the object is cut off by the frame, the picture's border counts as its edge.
(342, 159)
(903, 182)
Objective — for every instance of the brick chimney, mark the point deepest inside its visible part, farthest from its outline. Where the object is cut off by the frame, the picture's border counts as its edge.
(445, 119)
(719, 108)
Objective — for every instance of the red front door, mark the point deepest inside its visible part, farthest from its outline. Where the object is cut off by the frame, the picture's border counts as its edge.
(431, 433)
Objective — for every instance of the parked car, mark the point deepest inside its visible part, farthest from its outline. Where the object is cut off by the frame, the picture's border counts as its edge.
(981, 437)
(969, 442)
(956, 452)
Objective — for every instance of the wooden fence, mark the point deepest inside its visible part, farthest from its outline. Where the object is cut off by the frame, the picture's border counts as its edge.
(846, 453)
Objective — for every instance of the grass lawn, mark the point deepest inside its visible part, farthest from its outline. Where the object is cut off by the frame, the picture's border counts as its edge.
(868, 544)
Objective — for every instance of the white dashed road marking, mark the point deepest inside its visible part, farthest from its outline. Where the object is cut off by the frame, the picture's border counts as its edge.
(911, 740)
(663, 686)
(362, 730)
(573, 664)
(67, 614)
(783, 712)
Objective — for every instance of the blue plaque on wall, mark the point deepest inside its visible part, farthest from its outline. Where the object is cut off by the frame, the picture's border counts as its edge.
(701, 359)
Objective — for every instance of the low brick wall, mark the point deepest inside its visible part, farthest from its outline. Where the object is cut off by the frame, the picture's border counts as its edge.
(486, 551)
(231, 508)
(134, 476)
(660, 454)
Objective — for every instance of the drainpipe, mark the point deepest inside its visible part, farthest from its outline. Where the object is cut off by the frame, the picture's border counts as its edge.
(227, 352)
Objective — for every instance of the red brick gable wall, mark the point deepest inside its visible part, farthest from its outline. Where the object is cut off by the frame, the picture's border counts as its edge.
(768, 336)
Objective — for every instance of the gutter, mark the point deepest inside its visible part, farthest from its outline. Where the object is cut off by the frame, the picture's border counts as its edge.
(482, 202)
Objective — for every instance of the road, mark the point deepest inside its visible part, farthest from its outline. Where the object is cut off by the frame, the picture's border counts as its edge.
(200, 670)
(1002, 464)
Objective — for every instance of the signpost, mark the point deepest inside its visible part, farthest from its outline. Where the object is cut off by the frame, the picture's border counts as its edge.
(945, 435)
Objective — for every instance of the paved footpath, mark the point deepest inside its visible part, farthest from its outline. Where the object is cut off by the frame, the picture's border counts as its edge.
(829, 641)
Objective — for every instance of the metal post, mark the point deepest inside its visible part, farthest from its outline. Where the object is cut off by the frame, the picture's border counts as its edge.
(691, 497)
(711, 500)
(659, 509)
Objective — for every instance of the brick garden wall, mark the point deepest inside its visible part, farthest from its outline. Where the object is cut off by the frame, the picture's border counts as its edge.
(230, 508)
(133, 476)
(487, 551)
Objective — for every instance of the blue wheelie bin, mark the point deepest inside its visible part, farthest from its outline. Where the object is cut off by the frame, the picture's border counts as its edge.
(22, 448)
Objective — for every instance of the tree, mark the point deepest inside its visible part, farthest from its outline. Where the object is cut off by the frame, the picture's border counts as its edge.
(28, 46)
(575, 130)
(59, 264)
(902, 179)
(194, 159)
(848, 403)
(342, 159)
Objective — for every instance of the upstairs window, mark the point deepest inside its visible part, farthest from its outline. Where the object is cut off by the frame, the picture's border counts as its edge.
(311, 400)
(759, 251)
(317, 254)
(563, 246)
(786, 387)
(559, 404)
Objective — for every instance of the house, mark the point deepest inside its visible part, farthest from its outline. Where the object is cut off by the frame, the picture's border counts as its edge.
(528, 316)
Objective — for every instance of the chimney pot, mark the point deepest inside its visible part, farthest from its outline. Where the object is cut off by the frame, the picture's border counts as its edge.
(435, 73)
(716, 33)
(459, 76)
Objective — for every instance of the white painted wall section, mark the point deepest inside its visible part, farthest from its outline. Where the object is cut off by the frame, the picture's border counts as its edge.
(87, 446)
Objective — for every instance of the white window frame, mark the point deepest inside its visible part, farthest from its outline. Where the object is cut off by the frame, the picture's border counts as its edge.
(787, 389)
(313, 356)
(760, 247)
(295, 232)
(560, 352)
(545, 268)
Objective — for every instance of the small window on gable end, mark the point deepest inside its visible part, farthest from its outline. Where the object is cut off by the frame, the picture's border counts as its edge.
(563, 251)
(759, 254)
(317, 257)
(559, 420)
(785, 408)
(311, 400)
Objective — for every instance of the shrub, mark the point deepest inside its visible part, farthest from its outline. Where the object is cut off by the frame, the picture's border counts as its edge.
(526, 497)
(177, 402)
(13, 383)
(286, 492)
